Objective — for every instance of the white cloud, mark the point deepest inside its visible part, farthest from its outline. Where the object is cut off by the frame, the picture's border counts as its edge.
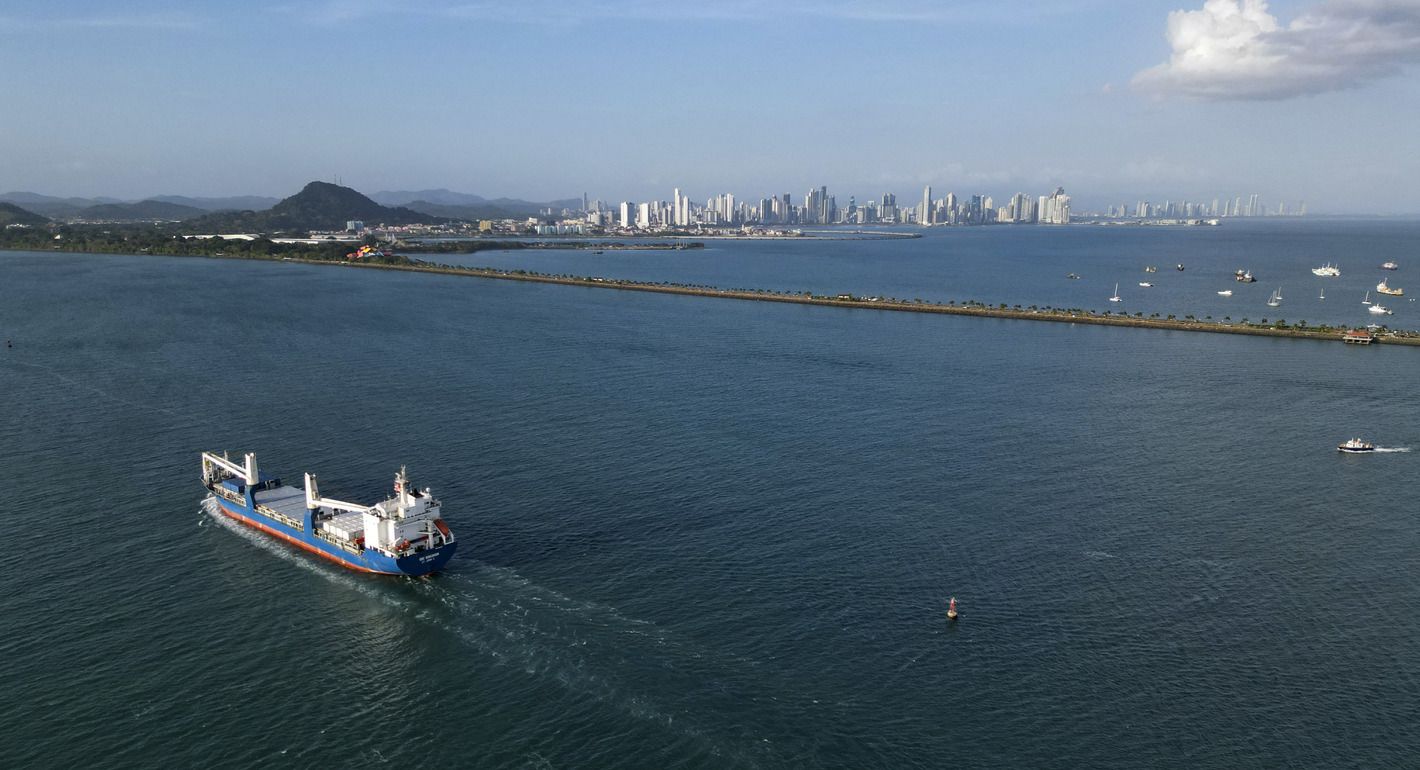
(1236, 49)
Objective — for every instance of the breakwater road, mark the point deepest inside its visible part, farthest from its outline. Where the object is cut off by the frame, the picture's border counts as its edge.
(849, 301)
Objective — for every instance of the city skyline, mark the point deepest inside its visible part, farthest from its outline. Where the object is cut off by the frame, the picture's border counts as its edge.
(1179, 99)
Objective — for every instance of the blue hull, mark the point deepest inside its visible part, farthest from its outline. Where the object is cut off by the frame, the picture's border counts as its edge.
(414, 565)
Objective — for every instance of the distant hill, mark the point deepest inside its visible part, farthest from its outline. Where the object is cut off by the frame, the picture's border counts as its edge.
(318, 206)
(142, 211)
(10, 214)
(467, 213)
(440, 197)
(459, 205)
(233, 203)
(52, 206)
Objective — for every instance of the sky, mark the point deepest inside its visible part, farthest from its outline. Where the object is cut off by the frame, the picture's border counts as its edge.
(1313, 100)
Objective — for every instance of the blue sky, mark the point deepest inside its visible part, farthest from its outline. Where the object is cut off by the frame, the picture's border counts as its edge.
(1313, 100)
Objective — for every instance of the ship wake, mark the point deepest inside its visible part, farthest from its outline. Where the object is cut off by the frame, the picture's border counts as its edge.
(587, 648)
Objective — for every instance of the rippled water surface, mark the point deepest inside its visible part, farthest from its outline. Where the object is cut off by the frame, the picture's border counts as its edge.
(698, 533)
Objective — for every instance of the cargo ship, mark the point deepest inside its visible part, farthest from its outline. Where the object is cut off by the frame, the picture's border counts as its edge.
(403, 535)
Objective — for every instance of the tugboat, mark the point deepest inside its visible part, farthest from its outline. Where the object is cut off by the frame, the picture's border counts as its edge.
(1356, 446)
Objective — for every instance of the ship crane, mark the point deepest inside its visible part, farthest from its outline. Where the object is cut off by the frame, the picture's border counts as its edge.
(314, 500)
(211, 462)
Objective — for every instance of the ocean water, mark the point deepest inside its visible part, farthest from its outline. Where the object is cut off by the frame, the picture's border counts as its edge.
(697, 533)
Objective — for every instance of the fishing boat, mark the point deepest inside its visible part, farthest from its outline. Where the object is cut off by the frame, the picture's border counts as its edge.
(1392, 291)
(1116, 297)
(952, 609)
(1327, 270)
(1243, 276)
(1275, 299)
(1356, 446)
(1389, 266)
(1225, 293)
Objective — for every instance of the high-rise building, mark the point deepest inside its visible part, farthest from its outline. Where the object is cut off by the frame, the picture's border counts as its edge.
(925, 217)
(1055, 209)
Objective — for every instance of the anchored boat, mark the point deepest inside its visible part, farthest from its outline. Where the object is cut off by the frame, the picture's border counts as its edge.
(403, 535)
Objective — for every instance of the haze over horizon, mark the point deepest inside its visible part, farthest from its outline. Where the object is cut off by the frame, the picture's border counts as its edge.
(1312, 100)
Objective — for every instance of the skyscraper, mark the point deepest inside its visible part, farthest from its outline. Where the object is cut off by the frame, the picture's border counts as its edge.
(925, 216)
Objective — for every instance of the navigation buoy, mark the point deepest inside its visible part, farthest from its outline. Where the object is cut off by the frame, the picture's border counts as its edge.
(952, 609)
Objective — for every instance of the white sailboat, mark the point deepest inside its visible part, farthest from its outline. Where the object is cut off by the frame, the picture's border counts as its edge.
(1367, 299)
(1323, 293)
(1275, 299)
(1115, 298)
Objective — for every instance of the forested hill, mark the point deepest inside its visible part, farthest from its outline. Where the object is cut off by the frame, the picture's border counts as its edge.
(318, 206)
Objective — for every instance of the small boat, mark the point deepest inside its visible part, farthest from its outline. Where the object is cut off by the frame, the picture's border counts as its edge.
(1327, 270)
(1243, 276)
(1379, 309)
(1115, 298)
(1275, 299)
(1146, 284)
(952, 606)
(1151, 269)
(1179, 267)
(1390, 266)
(1356, 446)
(1384, 289)
(1225, 293)
(1366, 300)
(1072, 276)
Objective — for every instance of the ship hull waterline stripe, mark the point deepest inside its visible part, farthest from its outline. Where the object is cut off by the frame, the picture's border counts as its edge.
(293, 541)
